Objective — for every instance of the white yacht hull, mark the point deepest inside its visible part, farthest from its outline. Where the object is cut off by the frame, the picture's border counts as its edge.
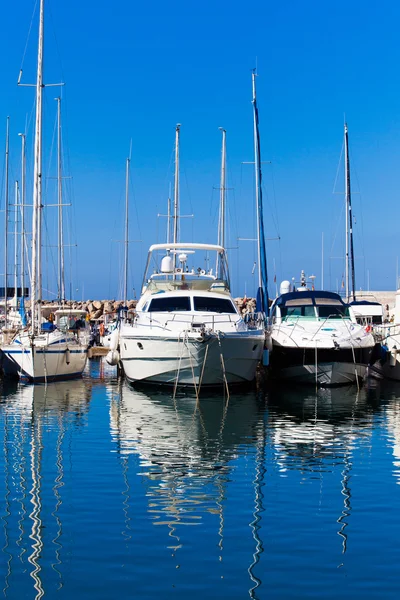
(324, 367)
(190, 360)
(41, 363)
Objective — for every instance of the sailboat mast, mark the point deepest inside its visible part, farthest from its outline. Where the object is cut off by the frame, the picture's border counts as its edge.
(262, 293)
(61, 268)
(349, 221)
(22, 207)
(126, 230)
(6, 219)
(169, 216)
(16, 209)
(176, 186)
(36, 285)
(221, 224)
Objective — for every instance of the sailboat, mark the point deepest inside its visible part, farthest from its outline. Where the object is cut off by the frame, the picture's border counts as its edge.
(315, 339)
(45, 351)
(187, 330)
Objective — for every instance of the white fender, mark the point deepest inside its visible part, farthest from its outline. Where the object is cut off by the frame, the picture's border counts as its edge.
(393, 357)
(112, 358)
(114, 339)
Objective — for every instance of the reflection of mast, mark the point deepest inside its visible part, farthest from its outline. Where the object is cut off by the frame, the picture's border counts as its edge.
(346, 492)
(58, 484)
(7, 507)
(35, 516)
(258, 509)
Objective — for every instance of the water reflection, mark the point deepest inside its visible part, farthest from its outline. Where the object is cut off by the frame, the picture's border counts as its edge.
(27, 413)
(187, 451)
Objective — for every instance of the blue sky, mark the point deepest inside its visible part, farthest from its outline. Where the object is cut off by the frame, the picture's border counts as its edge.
(132, 71)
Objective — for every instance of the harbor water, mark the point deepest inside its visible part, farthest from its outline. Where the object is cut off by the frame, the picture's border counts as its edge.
(108, 491)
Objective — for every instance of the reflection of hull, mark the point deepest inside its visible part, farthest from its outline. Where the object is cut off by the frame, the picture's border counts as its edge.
(179, 429)
(192, 359)
(309, 425)
(45, 360)
(326, 374)
(326, 367)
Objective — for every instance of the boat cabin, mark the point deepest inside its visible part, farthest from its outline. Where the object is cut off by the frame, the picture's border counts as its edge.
(70, 319)
(312, 305)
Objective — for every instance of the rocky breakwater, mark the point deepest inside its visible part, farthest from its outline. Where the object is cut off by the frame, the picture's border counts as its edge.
(96, 309)
(245, 305)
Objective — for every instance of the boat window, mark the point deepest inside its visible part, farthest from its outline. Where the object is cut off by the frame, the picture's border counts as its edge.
(299, 302)
(177, 303)
(333, 312)
(328, 301)
(217, 305)
(297, 311)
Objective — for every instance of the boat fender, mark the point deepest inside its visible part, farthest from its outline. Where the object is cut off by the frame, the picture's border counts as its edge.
(67, 356)
(368, 329)
(393, 357)
(90, 353)
(112, 358)
(101, 329)
(268, 342)
(114, 339)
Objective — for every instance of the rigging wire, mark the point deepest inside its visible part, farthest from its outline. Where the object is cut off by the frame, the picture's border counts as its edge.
(29, 34)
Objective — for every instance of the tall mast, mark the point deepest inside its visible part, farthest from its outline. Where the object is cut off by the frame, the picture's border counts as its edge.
(169, 216)
(6, 220)
(176, 186)
(61, 269)
(221, 224)
(222, 199)
(349, 221)
(16, 209)
(262, 293)
(126, 242)
(36, 285)
(22, 207)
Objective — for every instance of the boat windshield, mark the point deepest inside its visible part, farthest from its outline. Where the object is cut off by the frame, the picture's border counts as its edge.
(322, 308)
(333, 312)
(170, 304)
(297, 311)
(216, 305)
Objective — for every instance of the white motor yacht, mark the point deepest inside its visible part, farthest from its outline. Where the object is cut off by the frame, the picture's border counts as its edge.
(187, 329)
(314, 339)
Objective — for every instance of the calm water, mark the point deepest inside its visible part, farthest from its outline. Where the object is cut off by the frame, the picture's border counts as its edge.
(110, 492)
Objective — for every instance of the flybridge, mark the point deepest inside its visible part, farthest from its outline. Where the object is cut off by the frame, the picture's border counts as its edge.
(186, 266)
